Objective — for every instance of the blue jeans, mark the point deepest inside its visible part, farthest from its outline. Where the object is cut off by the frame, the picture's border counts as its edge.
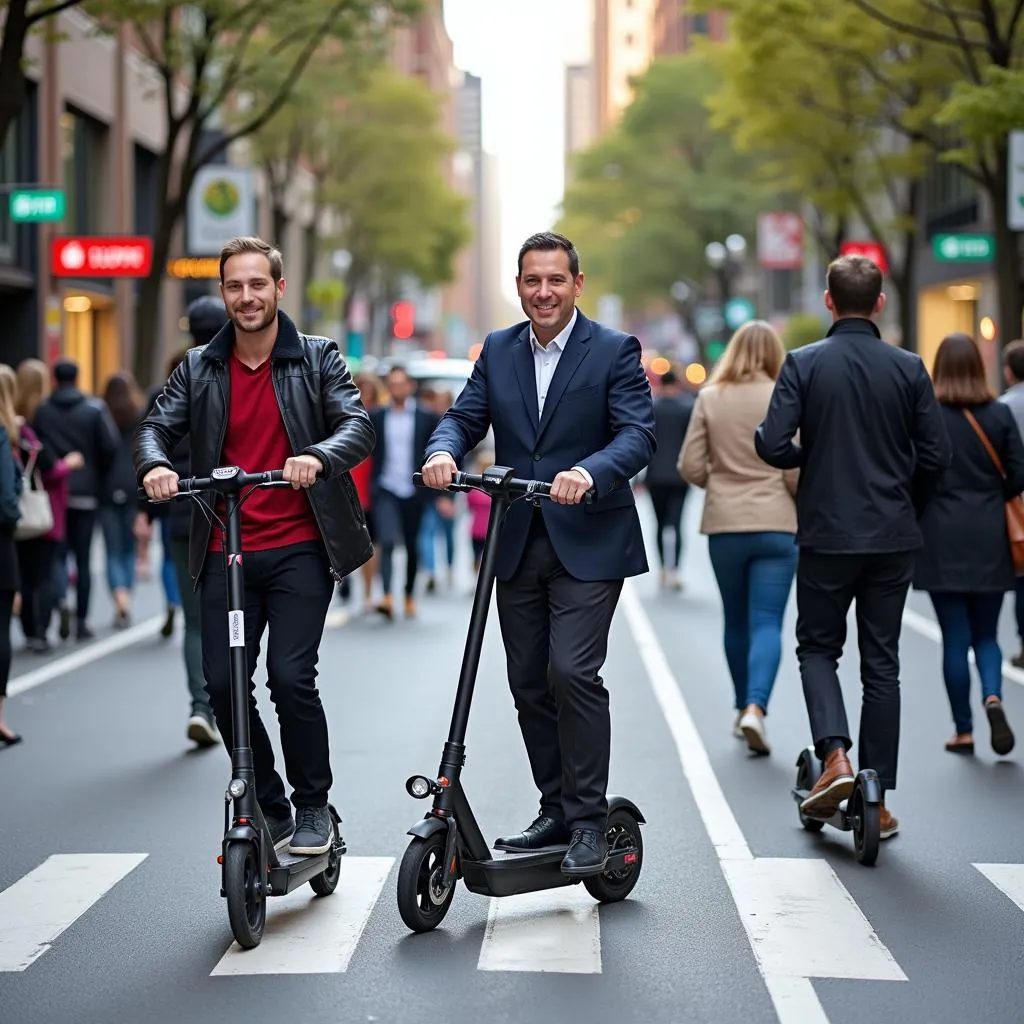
(168, 572)
(434, 523)
(966, 621)
(119, 539)
(755, 574)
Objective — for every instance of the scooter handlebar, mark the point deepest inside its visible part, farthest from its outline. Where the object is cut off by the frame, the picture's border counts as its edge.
(224, 480)
(498, 480)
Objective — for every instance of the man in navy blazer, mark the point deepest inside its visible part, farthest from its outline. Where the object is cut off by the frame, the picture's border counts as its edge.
(569, 402)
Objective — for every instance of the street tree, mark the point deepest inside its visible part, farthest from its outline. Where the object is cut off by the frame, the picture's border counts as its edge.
(398, 214)
(20, 18)
(819, 127)
(209, 56)
(648, 197)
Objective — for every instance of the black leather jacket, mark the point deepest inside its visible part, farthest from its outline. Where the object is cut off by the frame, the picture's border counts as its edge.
(322, 414)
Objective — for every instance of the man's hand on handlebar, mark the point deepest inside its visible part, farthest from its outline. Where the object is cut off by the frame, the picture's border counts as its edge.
(160, 483)
(439, 471)
(302, 470)
(569, 487)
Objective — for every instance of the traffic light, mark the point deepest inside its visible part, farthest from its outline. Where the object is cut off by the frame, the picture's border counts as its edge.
(403, 314)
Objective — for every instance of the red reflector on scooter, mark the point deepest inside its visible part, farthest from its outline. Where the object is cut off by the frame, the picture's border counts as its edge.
(220, 858)
(630, 858)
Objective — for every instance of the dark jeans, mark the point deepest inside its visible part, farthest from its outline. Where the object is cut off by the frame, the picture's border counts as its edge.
(826, 586)
(667, 501)
(36, 559)
(81, 525)
(398, 518)
(755, 574)
(966, 621)
(288, 589)
(176, 555)
(555, 631)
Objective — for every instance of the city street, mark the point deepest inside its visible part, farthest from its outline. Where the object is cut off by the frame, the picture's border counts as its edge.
(109, 904)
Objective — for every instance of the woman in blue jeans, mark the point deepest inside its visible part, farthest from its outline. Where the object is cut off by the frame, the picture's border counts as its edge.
(749, 517)
(965, 565)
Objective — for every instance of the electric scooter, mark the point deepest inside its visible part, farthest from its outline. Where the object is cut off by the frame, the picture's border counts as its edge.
(447, 843)
(251, 869)
(859, 814)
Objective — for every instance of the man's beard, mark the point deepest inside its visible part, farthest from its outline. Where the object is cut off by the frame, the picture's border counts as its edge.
(250, 327)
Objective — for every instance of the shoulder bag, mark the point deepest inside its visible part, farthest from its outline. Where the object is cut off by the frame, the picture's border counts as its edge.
(36, 517)
(1014, 507)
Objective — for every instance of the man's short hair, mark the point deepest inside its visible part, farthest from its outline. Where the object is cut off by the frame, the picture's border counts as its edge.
(549, 241)
(668, 378)
(1013, 357)
(854, 282)
(237, 246)
(65, 371)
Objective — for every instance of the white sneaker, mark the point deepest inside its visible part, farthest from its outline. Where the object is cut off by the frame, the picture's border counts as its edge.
(752, 727)
(201, 731)
(736, 730)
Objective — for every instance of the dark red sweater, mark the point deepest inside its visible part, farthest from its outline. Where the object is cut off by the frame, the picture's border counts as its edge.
(255, 440)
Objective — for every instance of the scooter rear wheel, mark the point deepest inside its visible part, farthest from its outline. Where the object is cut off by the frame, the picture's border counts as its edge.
(422, 901)
(327, 881)
(243, 887)
(867, 826)
(623, 832)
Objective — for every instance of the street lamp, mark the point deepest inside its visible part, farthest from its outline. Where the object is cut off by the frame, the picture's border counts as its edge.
(716, 254)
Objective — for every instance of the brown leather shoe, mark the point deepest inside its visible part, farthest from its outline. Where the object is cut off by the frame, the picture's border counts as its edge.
(888, 825)
(410, 608)
(834, 786)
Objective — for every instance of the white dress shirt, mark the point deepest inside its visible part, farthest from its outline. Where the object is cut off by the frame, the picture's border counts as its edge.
(399, 454)
(545, 360)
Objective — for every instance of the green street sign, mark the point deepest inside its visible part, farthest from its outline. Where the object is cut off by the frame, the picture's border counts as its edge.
(36, 206)
(963, 248)
(738, 312)
(716, 350)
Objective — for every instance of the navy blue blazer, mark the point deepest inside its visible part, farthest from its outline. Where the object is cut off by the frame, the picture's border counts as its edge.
(598, 414)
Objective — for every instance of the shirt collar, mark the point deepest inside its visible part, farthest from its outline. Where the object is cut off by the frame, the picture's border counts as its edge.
(558, 341)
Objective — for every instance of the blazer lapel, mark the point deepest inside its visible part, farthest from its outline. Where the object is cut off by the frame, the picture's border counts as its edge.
(575, 351)
(522, 359)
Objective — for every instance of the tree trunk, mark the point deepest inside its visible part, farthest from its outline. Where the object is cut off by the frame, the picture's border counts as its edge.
(12, 78)
(280, 218)
(147, 313)
(905, 290)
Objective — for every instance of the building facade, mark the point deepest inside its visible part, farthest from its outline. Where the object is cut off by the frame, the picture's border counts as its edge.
(580, 112)
(623, 47)
(677, 26)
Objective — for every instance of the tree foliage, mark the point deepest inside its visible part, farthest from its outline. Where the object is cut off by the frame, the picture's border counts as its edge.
(648, 197)
(399, 216)
(211, 55)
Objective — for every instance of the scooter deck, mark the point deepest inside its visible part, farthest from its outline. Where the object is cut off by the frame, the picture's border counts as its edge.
(509, 874)
(839, 820)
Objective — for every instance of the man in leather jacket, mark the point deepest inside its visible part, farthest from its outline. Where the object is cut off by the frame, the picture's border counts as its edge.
(263, 396)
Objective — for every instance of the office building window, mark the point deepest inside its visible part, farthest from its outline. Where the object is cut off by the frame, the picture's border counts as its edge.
(145, 191)
(17, 165)
(86, 173)
(699, 25)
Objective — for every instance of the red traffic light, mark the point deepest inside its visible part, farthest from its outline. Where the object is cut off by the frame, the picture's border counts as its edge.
(404, 316)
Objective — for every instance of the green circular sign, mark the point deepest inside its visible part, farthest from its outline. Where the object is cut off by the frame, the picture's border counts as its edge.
(221, 197)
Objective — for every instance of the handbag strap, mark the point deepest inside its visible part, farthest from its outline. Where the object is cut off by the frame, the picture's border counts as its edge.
(985, 441)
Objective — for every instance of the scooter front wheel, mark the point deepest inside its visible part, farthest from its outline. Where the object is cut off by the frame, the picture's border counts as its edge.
(422, 900)
(243, 887)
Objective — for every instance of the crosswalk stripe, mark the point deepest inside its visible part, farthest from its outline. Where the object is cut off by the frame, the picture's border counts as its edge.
(1007, 878)
(38, 907)
(307, 934)
(556, 930)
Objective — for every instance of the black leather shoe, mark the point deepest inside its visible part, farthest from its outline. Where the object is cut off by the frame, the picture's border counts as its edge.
(587, 853)
(544, 834)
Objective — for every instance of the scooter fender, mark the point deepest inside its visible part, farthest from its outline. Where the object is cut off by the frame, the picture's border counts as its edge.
(867, 778)
(621, 803)
(241, 834)
(428, 826)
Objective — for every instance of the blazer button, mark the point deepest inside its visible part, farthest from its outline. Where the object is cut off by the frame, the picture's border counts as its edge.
(536, 456)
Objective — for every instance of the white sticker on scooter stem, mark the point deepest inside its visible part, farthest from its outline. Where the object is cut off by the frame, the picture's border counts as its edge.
(236, 628)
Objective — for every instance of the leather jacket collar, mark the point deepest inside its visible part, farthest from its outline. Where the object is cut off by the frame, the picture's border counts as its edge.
(287, 345)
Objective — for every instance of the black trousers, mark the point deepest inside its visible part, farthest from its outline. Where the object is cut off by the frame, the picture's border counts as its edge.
(288, 589)
(79, 532)
(555, 631)
(668, 501)
(826, 586)
(399, 518)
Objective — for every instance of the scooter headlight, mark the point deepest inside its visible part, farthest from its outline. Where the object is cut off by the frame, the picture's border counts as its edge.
(419, 786)
(236, 788)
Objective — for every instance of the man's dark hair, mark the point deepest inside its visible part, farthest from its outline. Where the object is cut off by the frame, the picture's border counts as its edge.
(65, 371)
(1013, 357)
(548, 241)
(668, 378)
(854, 282)
(206, 316)
(398, 368)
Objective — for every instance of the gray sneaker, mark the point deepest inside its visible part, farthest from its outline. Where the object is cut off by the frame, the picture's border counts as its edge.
(281, 830)
(313, 831)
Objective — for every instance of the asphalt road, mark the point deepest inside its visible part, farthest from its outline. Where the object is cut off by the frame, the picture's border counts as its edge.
(109, 905)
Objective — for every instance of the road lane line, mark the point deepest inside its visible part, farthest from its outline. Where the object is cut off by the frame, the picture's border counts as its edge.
(1007, 878)
(556, 930)
(38, 907)
(308, 934)
(85, 656)
(929, 629)
(787, 907)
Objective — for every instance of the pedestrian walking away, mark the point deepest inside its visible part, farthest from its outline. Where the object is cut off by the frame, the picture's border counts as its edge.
(263, 396)
(872, 450)
(569, 401)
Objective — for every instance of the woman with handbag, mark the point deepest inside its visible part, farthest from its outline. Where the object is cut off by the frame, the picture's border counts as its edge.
(967, 562)
(10, 492)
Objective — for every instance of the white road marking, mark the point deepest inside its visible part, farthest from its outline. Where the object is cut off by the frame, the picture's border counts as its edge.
(307, 934)
(1007, 878)
(555, 930)
(788, 909)
(929, 628)
(85, 656)
(38, 907)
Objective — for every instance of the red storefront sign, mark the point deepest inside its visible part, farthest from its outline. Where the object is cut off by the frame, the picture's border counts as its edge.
(872, 250)
(101, 256)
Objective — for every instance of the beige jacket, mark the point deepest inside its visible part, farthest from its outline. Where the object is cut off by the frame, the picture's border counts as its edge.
(744, 494)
